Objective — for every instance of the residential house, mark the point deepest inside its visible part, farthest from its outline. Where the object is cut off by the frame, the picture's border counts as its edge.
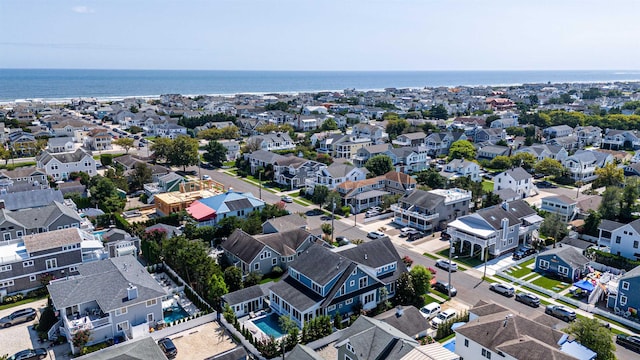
(168, 230)
(68, 127)
(516, 179)
(273, 141)
(284, 223)
(545, 151)
(492, 135)
(461, 168)
(334, 175)
(490, 152)
(623, 297)
(31, 198)
(588, 135)
(136, 349)
(496, 332)
(528, 217)
(561, 205)
(60, 144)
(582, 164)
(373, 132)
(165, 183)
(22, 143)
(410, 139)
(109, 298)
(439, 143)
(98, 139)
(365, 153)
(261, 159)
(59, 166)
(407, 319)
(632, 169)
(505, 121)
(305, 123)
(131, 162)
(26, 221)
(557, 131)
(30, 258)
(564, 261)
(494, 228)
(118, 242)
(326, 282)
(622, 239)
(498, 104)
(262, 253)
(246, 301)
(210, 210)
(569, 143)
(233, 149)
(430, 210)
(620, 139)
(369, 339)
(363, 194)
(169, 130)
(347, 146)
(409, 159)
(22, 179)
(176, 201)
(293, 172)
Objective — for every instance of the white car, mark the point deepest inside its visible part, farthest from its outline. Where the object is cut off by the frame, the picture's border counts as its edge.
(446, 265)
(405, 231)
(443, 317)
(375, 235)
(503, 289)
(287, 199)
(206, 177)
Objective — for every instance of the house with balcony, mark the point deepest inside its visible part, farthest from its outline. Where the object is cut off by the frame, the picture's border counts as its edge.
(410, 139)
(569, 143)
(293, 172)
(166, 183)
(262, 158)
(494, 228)
(109, 298)
(620, 139)
(492, 135)
(98, 139)
(622, 239)
(23, 179)
(439, 143)
(60, 144)
(22, 143)
(508, 119)
(208, 211)
(461, 168)
(367, 131)
(261, 253)
(545, 151)
(557, 131)
(363, 194)
(233, 149)
(334, 175)
(326, 282)
(623, 298)
(59, 166)
(365, 153)
(561, 205)
(582, 164)
(517, 179)
(588, 135)
(346, 147)
(273, 141)
(409, 159)
(431, 210)
(563, 261)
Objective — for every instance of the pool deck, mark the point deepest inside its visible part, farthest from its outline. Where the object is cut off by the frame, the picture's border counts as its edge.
(255, 331)
(172, 289)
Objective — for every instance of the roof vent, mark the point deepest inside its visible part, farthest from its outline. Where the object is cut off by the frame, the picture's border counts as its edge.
(366, 257)
(132, 292)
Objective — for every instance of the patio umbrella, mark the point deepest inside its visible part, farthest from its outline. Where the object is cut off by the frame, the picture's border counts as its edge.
(585, 285)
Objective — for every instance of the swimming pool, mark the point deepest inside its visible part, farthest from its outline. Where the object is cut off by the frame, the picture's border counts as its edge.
(451, 345)
(270, 325)
(174, 313)
(98, 234)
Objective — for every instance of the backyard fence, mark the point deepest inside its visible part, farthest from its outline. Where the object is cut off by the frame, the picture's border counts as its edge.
(237, 336)
(186, 325)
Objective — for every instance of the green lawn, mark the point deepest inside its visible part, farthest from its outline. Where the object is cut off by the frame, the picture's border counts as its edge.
(487, 185)
(229, 163)
(551, 284)
(445, 339)
(444, 296)
(300, 202)
(501, 279)
(21, 302)
(523, 271)
(269, 278)
(429, 299)
(431, 256)
(466, 260)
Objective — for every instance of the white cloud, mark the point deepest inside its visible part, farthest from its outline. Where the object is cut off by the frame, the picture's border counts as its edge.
(82, 10)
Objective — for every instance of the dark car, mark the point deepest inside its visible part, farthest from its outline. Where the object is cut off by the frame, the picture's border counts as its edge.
(313, 212)
(545, 184)
(444, 288)
(29, 354)
(523, 252)
(528, 299)
(631, 342)
(168, 347)
(560, 312)
(18, 317)
(416, 235)
(538, 176)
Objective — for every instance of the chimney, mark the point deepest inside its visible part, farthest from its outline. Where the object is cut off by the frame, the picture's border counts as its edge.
(1, 204)
(132, 292)
(399, 311)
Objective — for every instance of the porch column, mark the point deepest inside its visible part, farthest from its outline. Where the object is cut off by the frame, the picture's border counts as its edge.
(483, 248)
(472, 247)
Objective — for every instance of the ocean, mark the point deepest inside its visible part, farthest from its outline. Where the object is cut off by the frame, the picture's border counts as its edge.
(58, 84)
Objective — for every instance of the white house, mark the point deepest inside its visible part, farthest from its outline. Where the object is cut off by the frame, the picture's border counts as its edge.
(334, 175)
(582, 164)
(622, 239)
(274, 141)
(461, 168)
(516, 179)
(60, 165)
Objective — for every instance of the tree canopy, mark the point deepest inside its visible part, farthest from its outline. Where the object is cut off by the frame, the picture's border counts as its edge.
(215, 153)
(549, 167)
(142, 174)
(379, 164)
(125, 143)
(462, 149)
(184, 152)
(161, 148)
(396, 127)
(592, 334)
(609, 175)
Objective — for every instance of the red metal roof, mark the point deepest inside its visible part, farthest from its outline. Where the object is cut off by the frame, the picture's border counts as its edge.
(200, 211)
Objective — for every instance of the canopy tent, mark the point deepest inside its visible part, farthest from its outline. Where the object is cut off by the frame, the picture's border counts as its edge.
(585, 285)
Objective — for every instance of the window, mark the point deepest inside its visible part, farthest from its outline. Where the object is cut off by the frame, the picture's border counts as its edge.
(7, 236)
(350, 348)
(625, 285)
(274, 261)
(150, 317)
(563, 270)
(543, 264)
(152, 302)
(256, 266)
(635, 244)
(73, 268)
(362, 282)
(51, 263)
(352, 283)
(466, 342)
(19, 233)
(6, 283)
(32, 278)
(331, 308)
(123, 326)
(348, 302)
(623, 300)
(121, 311)
(618, 238)
(4, 268)
(486, 353)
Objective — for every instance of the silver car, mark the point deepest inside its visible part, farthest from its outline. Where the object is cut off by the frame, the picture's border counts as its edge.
(503, 289)
(18, 317)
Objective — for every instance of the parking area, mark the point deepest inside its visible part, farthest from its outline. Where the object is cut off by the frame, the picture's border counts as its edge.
(202, 342)
(21, 336)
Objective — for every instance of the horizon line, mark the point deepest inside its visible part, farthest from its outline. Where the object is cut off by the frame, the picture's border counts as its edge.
(319, 71)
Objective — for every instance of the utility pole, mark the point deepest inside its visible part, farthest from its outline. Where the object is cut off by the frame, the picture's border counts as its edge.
(260, 180)
(449, 267)
(333, 210)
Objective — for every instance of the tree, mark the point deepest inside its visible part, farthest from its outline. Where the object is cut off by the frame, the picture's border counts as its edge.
(215, 153)
(233, 278)
(593, 335)
(184, 152)
(320, 193)
(5, 154)
(215, 289)
(104, 194)
(500, 162)
(553, 227)
(161, 148)
(610, 205)
(609, 175)
(491, 199)
(106, 159)
(591, 223)
(379, 164)
(133, 109)
(388, 200)
(549, 167)
(490, 119)
(333, 197)
(81, 338)
(141, 175)
(630, 195)
(125, 143)
(438, 112)
(420, 278)
(253, 144)
(405, 291)
(431, 178)
(135, 129)
(396, 127)
(462, 149)
(82, 176)
(326, 228)
(329, 124)
(525, 160)
(253, 278)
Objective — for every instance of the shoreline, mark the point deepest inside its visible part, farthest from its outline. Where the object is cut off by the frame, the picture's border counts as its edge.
(106, 99)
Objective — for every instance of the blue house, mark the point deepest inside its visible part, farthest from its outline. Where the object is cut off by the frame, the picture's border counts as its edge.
(625, 297)
(325, 282)
(563, 261)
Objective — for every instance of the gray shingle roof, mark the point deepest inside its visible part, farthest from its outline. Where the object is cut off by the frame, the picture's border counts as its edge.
(339, 170)
(285, 243)
(518, 174)
(494, 215)
(31, 199)
(609, 225)
(423, 199)
(320, 264)
(376, 253)
(242, 245)
(411, 322)
(295, 294)
(374, 339)
(560, 199)
(569, 254)
(142, 349)
(288, 222)
(41, 217)
(106, 282)
(246, 294)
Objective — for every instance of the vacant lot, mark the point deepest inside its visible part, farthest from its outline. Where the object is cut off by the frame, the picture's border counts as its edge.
(202, 342)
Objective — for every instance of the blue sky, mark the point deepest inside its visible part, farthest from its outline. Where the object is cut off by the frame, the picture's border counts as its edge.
(321, 35)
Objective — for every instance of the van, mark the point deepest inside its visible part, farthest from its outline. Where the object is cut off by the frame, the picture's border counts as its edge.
(429, 311)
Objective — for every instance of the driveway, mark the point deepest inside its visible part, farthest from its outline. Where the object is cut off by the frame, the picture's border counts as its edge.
(22, 336)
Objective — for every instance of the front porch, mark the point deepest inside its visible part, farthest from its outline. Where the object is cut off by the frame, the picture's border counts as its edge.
(407, 217)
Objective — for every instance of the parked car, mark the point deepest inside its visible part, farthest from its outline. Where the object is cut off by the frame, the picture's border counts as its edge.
(443, 287)
(371, 213)
(631, 342)
(405, 231)
(375, 235)
(503, 289)
(313, 212)
(416, 235)
(18, 317)
(287, 199)
(529, 299)
(538, 176)
(523, 252)
(446, 265)
(168, 347)
(443, 317)
(206, 177)
(29, 354)
(341, 240)
(545, 184)
(430, 310)
(560, 312)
